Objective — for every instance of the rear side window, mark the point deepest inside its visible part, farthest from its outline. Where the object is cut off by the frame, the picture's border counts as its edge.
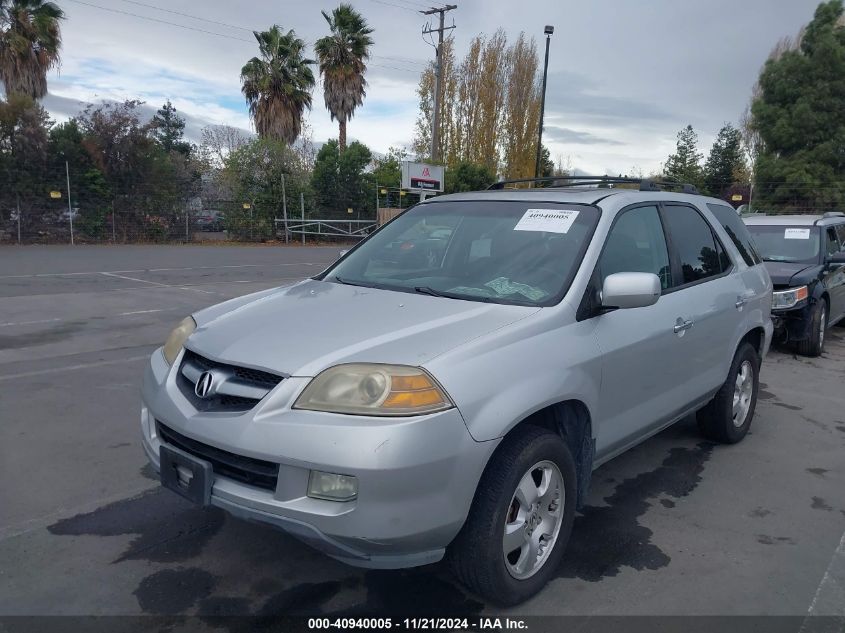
(832, 241)
(735, 228)
(694, 243)
(840, 231)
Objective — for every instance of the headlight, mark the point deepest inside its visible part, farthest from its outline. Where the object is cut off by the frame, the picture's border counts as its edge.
(373, 389)
(788, 298)
(173, 344)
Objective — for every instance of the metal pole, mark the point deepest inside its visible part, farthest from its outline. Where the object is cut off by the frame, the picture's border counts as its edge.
(69, 208)
(537, 173)
(302, 210)
(750, 194)
(113, 225)
(285, 209)
(186, 224)
(19, 218)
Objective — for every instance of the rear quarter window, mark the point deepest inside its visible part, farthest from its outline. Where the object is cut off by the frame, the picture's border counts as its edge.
(736, 230)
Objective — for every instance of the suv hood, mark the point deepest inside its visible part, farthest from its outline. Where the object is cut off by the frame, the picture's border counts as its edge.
(305, 328)
(782, 273)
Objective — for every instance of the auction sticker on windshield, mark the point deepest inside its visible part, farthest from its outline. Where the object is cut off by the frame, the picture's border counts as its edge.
(548, 220)
(796, 234)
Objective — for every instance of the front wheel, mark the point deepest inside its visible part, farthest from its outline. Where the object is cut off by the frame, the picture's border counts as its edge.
(813, 345)
(727, 417)
(520, 520)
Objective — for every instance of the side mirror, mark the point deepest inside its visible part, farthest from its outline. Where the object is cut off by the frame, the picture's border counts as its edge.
(342, 253)
(837, 258)
(630, 290)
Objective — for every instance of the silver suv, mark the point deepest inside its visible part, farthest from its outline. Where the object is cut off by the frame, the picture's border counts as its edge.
(448, 386)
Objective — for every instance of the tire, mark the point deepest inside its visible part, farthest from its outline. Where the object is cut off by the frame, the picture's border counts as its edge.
(477, 553)
(813, 345)
(723, 421)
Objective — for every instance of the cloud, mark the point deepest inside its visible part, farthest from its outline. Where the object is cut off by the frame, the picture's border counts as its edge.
(624, 76)
(63, 108)
(574, 137)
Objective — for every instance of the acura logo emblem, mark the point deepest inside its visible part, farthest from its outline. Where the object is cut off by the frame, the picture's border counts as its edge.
(204, 384)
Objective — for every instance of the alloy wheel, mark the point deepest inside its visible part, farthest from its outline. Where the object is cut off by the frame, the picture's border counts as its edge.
(743, 390)
(533, 520)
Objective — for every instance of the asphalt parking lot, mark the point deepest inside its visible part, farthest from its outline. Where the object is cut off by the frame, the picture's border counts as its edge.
(675, 526)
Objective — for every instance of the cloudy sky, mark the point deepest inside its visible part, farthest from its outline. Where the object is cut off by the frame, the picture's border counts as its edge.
(624, 75)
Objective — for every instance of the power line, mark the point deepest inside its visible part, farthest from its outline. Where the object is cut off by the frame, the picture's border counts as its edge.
(188, 15)
(398, 6)
(144, 17)
(407, 70)
(231, 37)
(416, 4)
(407, 60)
(415, 65)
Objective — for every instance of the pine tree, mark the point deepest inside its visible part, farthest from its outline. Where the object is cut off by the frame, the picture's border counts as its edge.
(799, 116)
(685, 164)
(169, 128)
(725, 162)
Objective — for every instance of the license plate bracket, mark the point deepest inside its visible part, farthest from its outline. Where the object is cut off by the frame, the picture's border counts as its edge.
(186, 475)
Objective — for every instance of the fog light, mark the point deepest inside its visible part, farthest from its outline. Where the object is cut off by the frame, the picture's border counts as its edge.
(331, 486)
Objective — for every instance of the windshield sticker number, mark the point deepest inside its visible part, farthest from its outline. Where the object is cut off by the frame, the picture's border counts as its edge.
(796, 234)
(547, 220)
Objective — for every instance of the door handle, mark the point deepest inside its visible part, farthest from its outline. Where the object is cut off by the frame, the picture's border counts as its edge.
(740, 301)
(680, 327)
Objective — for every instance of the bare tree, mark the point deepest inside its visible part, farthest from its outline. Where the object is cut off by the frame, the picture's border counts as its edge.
(522, 109)
(218, 141)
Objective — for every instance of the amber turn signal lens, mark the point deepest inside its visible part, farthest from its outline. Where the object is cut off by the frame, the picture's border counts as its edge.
(413, 399)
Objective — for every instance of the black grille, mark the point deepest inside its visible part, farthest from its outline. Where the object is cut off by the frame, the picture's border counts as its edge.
(245, 373)
(224, 401)
(247, 470)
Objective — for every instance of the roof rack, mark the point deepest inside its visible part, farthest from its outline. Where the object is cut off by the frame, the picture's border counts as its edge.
(579, 181)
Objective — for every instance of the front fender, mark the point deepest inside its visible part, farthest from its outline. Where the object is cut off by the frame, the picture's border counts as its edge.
(500, 379)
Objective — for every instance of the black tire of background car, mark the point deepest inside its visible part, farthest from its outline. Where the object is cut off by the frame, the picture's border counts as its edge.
(813, 345)
(476, 553)
(715, 420)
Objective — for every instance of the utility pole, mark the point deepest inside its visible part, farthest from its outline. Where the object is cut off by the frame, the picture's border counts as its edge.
(438, 73)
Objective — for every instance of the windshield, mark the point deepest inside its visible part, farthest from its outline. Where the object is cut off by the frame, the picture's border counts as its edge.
(793, 244)
(493, 251)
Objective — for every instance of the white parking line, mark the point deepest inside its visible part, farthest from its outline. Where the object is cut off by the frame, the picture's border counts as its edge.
(55, 370)
(144, 311)
(829, 599)
(29, 322)
(119, 314)
(143, 281)
(149, 270)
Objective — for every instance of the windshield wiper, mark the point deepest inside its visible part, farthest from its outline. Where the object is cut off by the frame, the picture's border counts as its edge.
(346, 282)
(425, 290)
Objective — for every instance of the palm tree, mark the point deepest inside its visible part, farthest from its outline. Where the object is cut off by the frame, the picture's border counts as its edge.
(342, 57)
(30, 39)
(277, 85)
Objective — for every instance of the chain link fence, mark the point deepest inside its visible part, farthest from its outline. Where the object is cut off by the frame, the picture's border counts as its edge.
(73, 208)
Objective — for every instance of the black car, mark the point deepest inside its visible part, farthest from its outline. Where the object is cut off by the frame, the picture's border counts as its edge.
(805, 257)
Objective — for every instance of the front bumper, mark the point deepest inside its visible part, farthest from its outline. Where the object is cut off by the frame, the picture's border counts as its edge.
(793, 324)
(416, 476)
